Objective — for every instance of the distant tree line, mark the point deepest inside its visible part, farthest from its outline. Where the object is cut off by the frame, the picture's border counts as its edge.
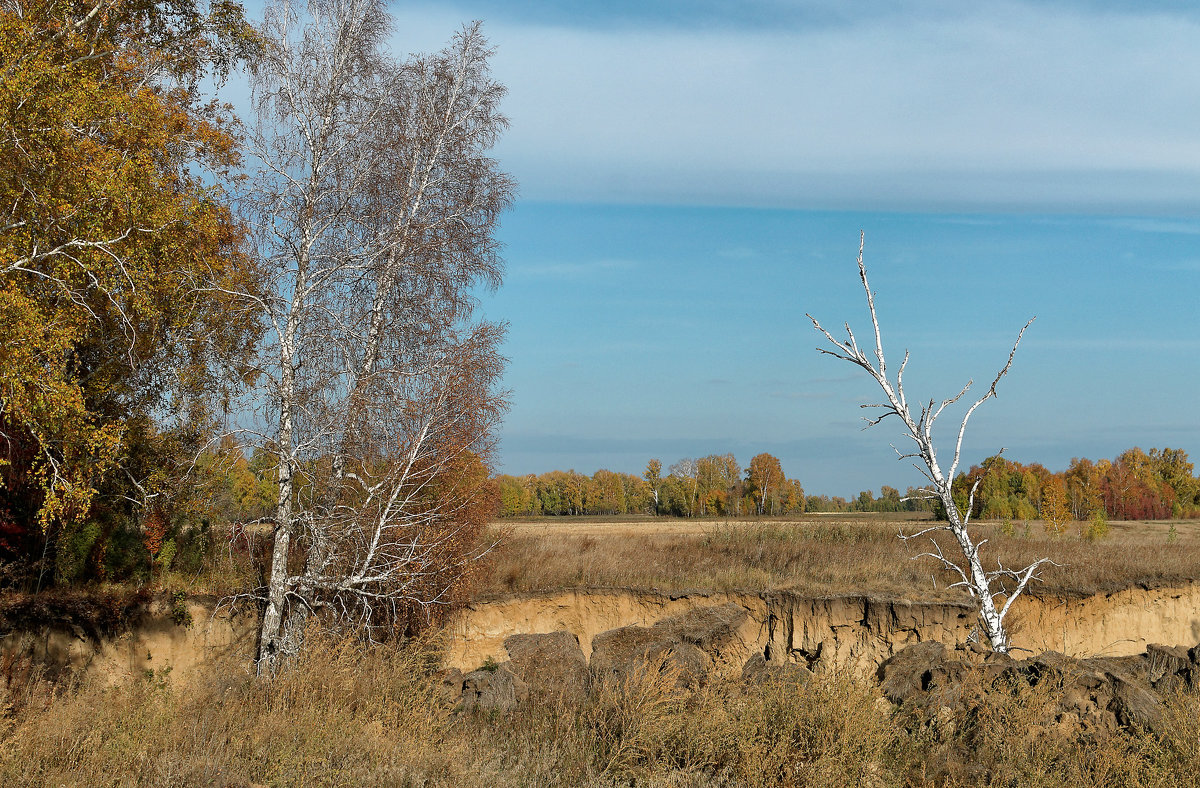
(1135, 486)
(715, 485)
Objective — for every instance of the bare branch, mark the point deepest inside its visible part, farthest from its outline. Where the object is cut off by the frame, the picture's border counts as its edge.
(991, 392)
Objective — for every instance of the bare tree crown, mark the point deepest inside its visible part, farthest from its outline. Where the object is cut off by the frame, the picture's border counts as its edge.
(375, 208)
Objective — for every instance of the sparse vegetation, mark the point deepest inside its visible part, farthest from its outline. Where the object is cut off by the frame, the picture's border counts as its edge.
(1097, 526)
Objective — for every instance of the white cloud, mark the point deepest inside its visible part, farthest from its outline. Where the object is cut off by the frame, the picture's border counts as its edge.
(1009, 105)
(1160, 226)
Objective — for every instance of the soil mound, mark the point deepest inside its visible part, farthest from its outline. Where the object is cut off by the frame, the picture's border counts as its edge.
(1092, 696)
(930, 682)
(700, 642)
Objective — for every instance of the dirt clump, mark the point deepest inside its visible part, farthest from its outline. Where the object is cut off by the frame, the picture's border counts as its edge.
(492, 688)
(552, 664)
(699, 642)
(1094, 696)
(758, 670)
(693, 647)
(542, 668)
(972, 707)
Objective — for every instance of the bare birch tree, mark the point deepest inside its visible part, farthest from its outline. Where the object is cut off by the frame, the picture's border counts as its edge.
(994, 590)
(687, 472)
(376, 207)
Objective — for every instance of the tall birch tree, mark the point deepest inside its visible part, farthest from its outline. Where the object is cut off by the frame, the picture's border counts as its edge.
(375, 209)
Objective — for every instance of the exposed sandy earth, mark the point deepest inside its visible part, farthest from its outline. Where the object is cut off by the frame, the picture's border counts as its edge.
(850, 631)
(857, 632)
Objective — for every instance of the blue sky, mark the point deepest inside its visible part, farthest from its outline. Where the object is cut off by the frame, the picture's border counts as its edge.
(694, 177)
(672, 331)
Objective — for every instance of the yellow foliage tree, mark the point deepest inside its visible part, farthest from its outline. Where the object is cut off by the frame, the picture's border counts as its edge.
(1056, 510)
(766, 480)
(116, 245)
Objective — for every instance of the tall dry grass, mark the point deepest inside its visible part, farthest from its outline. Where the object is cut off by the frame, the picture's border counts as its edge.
(342, 715)
(346, 715)
(827, 557)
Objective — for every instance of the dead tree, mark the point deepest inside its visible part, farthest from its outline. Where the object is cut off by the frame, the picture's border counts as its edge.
(994, 590)
(375, 210)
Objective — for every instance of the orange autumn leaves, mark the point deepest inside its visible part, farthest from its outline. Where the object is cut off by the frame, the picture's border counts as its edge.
(1135, 485)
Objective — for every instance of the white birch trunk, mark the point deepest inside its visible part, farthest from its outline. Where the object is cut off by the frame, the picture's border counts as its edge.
(376, 206)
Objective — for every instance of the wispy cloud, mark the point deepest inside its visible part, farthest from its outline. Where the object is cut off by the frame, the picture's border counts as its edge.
(1136, 344)
(836, 379)
(755, 15)
(1102, 343)
(740, 253)
(1159, 226)
(1192, 266)
(800, 395)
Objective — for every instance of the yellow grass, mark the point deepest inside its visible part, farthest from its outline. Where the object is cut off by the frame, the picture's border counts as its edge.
(350, 715)
(822, 555)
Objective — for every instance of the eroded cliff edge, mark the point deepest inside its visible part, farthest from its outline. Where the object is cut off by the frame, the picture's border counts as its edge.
(858, 632)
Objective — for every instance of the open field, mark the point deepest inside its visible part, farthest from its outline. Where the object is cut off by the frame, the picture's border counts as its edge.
(821, 554)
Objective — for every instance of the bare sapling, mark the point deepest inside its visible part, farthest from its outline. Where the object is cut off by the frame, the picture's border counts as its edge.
(994, 590)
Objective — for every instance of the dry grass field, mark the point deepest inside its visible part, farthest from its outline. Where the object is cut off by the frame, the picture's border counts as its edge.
(349, 714)
(821, 554)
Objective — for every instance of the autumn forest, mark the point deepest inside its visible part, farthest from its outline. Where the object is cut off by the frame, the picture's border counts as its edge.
(1135, 485)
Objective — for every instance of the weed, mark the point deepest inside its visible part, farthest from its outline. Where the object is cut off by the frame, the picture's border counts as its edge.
(1097, 526)
(180, 614)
